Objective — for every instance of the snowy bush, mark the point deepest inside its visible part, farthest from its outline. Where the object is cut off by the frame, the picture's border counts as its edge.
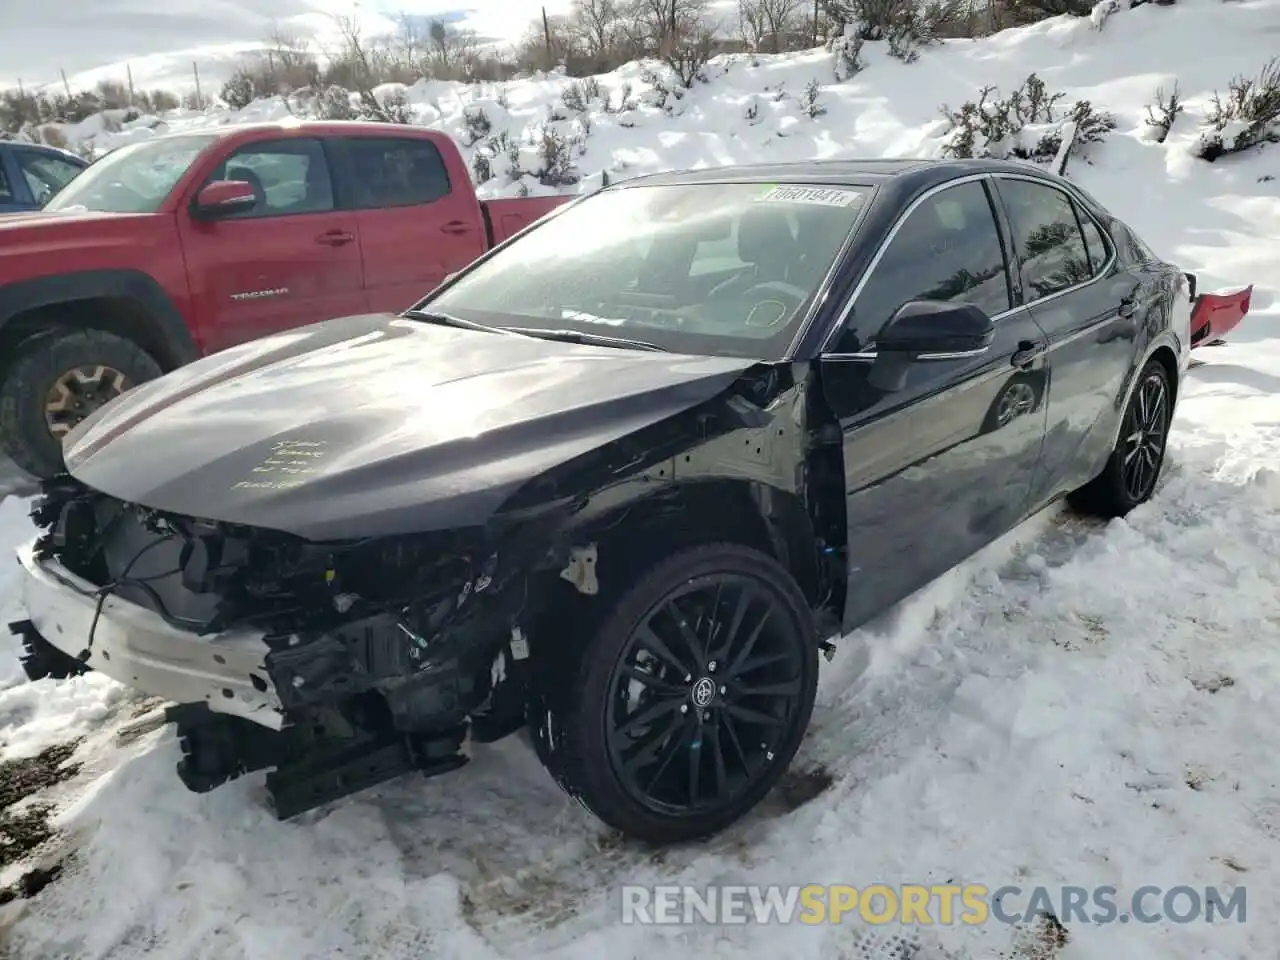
(238, 92)
(1248, 117)
(573, 98)
(1019, 13)
(809, 104)
(334, 103)
(1162, 113)
(1103, 10)
(905, 23)
(478, 124)
(848, 53)
(1021, 125)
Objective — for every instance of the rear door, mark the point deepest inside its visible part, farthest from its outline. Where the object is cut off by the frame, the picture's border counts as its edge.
(941, 462)
(293, 259)
(418, 221)
(1090, 307)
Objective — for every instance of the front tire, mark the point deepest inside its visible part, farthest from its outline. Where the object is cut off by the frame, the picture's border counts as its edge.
(58, 378)
(1132, 471)
(680, 711)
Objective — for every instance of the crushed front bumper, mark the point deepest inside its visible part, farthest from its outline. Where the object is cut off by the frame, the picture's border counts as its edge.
(139, 648)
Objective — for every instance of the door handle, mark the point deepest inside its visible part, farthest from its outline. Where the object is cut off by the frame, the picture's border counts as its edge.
(335, 238)
(456, 227)
(1128, 307)
(1027, 354)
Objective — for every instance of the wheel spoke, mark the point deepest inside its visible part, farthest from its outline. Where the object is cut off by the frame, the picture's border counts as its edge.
(668, 754)
(657, 685)
(745, 595)
(736, 667)
(732, 731)
(646, 749)
(755, 717)
(643, 718)
(788, 689)
(755, 663)
(687, 635)
(721, 773)
(650, 641)
(695, 766)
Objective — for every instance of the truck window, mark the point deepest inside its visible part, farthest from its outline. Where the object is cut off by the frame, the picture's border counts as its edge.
(135, 178)
(393, 172)
(6, 192)
(288, 176)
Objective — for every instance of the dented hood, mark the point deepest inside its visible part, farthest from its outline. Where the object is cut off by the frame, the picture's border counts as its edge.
(372, 425)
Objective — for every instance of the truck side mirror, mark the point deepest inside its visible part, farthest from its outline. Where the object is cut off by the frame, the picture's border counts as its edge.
(223, 198)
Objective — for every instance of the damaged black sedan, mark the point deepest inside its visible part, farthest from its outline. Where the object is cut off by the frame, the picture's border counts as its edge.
(621, 481)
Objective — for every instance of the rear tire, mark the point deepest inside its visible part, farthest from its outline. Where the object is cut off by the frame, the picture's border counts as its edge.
(611, 704)
(48, 370)
(1128, 481)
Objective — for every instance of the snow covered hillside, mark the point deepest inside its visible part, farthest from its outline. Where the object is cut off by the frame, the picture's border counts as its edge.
(1082, 704)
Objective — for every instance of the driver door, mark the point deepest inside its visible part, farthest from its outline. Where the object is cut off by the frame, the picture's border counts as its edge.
(938, 463)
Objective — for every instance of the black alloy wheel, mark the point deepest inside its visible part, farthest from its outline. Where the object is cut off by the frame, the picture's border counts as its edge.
(1146, 431)
(1133, 469)
(681, 708)
(702, 697)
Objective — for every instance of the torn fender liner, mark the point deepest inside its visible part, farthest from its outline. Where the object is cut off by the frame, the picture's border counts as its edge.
(375, 424)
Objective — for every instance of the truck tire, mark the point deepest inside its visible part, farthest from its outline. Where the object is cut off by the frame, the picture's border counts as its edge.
(56, 380)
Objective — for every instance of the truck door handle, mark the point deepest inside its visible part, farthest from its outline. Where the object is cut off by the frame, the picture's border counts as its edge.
(1128, 306)
(1027, 354)
(456, 227)
(335, 238)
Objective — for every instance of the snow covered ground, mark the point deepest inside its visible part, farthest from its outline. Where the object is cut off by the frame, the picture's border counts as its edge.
(1081, 704)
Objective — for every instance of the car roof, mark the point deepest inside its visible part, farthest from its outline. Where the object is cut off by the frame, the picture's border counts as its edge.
(851, 172)
(46, 148)
(332, 127)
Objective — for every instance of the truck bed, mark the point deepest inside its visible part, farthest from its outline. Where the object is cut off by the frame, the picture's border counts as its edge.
(505, 218)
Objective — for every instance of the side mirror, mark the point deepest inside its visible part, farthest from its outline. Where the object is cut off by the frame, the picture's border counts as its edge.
(936, 330)
(223, 198)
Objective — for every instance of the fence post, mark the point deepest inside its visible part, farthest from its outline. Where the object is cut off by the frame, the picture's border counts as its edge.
(546, 34)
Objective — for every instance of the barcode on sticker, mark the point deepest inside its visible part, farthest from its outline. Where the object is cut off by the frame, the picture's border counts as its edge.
(824, 196)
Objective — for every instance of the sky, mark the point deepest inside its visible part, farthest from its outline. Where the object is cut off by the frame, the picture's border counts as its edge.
(41, 41)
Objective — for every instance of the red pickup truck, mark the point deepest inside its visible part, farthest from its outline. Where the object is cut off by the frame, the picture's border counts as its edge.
(180, 245)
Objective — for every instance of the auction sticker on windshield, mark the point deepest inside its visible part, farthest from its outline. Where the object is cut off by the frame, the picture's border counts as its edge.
(822, 196)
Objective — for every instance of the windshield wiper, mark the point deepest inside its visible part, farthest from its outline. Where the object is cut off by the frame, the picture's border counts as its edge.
(449, 320)
(593, 339)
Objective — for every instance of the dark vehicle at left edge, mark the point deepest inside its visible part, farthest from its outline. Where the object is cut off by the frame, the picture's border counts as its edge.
(622, 480)
(31, 173)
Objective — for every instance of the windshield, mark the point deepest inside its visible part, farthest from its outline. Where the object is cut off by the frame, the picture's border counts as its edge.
(711, 268)
(131, 179)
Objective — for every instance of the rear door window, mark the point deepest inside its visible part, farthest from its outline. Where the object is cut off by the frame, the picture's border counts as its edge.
(394, 172)
(1050, 244)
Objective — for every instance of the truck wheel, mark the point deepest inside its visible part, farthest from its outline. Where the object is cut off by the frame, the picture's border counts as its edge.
(57, 379)
(678, 713)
